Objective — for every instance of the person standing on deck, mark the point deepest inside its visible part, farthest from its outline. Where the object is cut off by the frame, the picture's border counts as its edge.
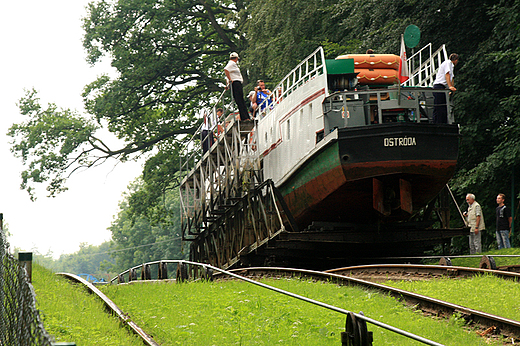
(504, 220)
(206, 134)
(234, 77)
(443, 80)
(262, 96)
(475, 220)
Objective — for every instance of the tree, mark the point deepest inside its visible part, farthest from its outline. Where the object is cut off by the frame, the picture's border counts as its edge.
(484, 33)
(169, 57)
(138, 240)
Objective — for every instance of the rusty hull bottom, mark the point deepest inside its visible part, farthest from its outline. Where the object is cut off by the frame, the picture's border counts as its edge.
(353, 200)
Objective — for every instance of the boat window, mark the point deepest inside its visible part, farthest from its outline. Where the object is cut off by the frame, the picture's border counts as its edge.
(288, 129)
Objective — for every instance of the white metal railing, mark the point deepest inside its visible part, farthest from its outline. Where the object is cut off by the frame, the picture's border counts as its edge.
(192, 152)
(424, 65)
(312, 66)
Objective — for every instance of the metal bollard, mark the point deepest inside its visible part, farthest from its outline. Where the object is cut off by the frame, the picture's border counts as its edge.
(207, 274)
(25, 259)
(182, 272)
(145, 272)
(445, 261)
(132, 275)
(356, 333)
(487, 262)
(163, 271)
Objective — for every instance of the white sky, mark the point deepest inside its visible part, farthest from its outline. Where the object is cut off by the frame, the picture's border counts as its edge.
(41, 47)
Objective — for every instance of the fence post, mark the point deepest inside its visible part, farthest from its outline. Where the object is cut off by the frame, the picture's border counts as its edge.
(25, 259)
(3, 249)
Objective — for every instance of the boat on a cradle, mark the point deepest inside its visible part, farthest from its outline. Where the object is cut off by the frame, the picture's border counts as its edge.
(353, 160)
(365, 152)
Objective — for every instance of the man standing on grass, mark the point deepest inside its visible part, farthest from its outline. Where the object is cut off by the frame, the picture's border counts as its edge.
(475, 220)
(504, 220)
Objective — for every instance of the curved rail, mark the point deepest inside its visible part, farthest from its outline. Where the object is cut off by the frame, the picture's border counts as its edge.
(426, 270)
(506, 326)
(349, 314)
(147, 339)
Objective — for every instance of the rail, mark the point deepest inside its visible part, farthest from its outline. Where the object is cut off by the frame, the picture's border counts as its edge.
(147, 339)
(506, 326)
(342, 276)
(206, 267)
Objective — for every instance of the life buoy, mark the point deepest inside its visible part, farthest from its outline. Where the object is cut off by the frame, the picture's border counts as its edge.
(390, 61)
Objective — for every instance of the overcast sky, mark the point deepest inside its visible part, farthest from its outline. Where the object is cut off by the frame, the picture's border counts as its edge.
(41, 48)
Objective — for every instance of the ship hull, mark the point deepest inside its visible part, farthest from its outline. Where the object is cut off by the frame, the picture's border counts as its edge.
(373, 173)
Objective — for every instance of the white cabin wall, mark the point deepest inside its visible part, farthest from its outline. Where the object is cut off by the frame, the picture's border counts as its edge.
(305, 117)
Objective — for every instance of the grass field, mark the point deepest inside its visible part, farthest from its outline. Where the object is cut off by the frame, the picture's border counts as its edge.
(499, 261)
(485, 293)
(70, 314)
(236, 313)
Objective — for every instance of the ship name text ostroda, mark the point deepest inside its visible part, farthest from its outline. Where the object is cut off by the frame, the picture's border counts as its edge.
(399, 141)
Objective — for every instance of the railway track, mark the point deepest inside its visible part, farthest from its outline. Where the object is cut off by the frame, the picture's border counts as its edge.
(507, 327)
(347, 276)
(383, 272)
(147, 339)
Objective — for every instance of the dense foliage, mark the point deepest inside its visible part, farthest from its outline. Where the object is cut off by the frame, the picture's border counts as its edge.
(169, 57)
(89, 259)
(137, 240)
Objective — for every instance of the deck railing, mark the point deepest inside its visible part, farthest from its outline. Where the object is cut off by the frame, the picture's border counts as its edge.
(312, 66)
(424, 65)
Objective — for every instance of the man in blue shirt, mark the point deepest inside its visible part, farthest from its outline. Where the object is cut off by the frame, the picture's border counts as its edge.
(262, 96)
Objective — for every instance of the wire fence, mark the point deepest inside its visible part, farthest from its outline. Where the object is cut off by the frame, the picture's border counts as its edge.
(20, 323)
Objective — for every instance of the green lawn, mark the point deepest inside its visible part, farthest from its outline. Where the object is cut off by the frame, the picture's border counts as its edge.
(484, 293)
(237, 313)
(70, 314)
(499, 261)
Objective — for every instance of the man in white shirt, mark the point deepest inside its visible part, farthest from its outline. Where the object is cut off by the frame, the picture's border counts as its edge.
(475, 220)
(443, 80)
(234, 77)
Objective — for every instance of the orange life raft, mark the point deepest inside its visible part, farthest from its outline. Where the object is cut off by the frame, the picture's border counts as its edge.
(377, 76)
(390, 61)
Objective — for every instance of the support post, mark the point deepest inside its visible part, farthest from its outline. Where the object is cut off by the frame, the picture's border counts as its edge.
(513, 206)
(25, 259)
